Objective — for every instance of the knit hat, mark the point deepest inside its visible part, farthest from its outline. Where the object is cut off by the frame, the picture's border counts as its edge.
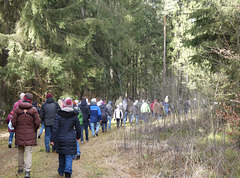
(28, 97)
(49, 95)
(93, 100)
(68, 102)
(22, 95)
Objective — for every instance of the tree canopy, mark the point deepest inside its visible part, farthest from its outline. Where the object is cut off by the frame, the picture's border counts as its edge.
(102, 48)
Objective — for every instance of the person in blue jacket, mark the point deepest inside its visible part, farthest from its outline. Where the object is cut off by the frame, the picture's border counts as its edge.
(66, 130)
(95, 117)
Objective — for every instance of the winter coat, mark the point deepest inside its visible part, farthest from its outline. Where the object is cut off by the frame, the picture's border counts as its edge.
(130, 105)
(48, 111)
(135, 109)
(158, 108)
(125, 105)
(104, 113)
(152, 106)
(9, 118)
(16, 104)
(26, 122)
(118, 102)
(145, 108)
(63, 134)
(95, 113)
(85, 108)
(109, 107)
(166, 107)
(120, 106)
(118, 114)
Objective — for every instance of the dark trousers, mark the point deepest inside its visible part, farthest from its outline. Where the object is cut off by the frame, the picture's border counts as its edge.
(118, 123)
(84, 127)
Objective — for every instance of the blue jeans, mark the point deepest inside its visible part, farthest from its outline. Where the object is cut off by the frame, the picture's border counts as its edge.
(48, 133)
(42, 127)
(104, 126)
(11, 134)
(159, 116)
(109, 122)
(125, 118)
(166, 111)
(65, 164)
(136, 117)
(78, 149)
(93, 124)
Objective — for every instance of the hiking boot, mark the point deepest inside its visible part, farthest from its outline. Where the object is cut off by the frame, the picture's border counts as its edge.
(60, 174)
(20, 171)
(78, 157)
(9, 146)
(67, 175)
(27, 174)
(97, 134)
(39, 136)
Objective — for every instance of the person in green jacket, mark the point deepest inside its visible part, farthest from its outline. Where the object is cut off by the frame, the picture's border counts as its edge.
(145, 110)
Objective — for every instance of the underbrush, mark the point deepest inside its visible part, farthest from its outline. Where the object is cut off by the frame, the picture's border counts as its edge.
(188, 148)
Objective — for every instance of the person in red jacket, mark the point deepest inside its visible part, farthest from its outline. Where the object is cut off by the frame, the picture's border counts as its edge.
(152, 108)
(11, 129)
(26, 122)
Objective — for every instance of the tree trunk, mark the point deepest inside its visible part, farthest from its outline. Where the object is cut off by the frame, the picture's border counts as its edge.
(164, 55)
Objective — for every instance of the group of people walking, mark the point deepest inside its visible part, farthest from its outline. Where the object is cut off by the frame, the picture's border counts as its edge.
(66, 120)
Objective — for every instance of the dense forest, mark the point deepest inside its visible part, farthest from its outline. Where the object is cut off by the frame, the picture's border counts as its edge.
(143, 49)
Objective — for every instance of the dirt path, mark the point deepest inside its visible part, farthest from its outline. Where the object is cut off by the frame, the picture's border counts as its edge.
(99, 158)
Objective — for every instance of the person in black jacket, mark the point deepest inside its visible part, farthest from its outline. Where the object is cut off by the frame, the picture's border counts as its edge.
(105, 113)
(66, 130)
(85, 108)
(48, 114)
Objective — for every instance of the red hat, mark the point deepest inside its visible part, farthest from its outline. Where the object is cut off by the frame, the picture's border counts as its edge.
(49, 95)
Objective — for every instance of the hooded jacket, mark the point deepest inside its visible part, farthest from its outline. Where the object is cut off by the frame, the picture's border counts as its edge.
(26, 122)
(95, 113)
(48, 111)
(104, 113)
(85, 108)
(158, 108)
(63, 133)
(109, 107)
(9, 118)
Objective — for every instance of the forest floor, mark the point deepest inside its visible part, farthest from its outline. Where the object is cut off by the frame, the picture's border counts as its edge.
(99, 158)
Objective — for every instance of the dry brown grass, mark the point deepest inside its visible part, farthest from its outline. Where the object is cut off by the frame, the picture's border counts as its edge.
(99, 158)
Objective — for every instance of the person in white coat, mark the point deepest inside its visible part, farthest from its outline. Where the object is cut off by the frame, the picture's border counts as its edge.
(118, 115)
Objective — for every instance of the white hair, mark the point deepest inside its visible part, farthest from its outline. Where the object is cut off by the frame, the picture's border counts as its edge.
(22, 95)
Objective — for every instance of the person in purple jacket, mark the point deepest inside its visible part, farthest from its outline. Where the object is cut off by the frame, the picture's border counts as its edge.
(11, 129)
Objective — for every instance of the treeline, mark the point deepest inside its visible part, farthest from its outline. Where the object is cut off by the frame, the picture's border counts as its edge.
(107, 48)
